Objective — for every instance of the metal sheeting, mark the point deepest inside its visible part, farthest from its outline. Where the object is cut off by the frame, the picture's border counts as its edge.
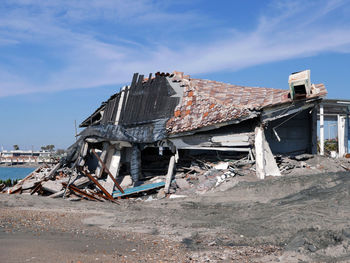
(111, 110)
(135, 163)
(148, 100)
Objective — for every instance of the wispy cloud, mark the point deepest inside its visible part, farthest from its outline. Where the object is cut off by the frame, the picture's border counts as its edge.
(72, 44)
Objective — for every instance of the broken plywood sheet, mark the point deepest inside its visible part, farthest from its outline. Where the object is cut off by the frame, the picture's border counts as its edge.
(138, 189)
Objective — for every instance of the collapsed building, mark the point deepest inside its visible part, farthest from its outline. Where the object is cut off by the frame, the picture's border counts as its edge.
(154, 124)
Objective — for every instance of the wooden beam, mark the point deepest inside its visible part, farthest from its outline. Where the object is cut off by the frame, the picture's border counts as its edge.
(107, 171)
(98, 184)
(169, 175)
(18, 190)
(264, 159)
(80, 192)
(104, 197)
(259, 152)
(36, 188)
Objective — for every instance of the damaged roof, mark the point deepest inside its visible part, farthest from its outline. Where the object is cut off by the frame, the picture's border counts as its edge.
(200, 102)
(206, 102)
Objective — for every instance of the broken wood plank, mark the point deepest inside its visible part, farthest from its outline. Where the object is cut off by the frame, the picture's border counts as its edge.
(18, 190)
(101, 196)
(53, 171)
(346, 168)
(104, 197)
(80, 182)
(110, 197)
(80, 192)
(36, 188)
(58, 194)
(107, 171)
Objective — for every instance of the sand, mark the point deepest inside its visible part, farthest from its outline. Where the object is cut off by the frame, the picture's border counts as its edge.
(294, 218)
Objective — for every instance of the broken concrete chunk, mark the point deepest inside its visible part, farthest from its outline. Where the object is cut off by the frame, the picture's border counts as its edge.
(221, 166)
(81, 181)
(303, 164)
(126, 182)
(109, 186)
(311, 248)
(105, 184)
(182, 183)
(179, 175)
(53, 171)
(161, 194)
(28, 184)
(52, 186)
(303, 157)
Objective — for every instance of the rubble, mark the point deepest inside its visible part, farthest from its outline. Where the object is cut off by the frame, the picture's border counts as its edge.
(57, 181)
(166, 132)
(197, 178)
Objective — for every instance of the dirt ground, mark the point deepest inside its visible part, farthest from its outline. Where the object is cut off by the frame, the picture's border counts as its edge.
(294, 218)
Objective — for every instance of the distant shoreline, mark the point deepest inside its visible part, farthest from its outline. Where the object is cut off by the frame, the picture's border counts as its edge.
(20, 165)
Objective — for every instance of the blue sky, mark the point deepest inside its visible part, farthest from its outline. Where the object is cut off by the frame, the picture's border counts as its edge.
(60, 59)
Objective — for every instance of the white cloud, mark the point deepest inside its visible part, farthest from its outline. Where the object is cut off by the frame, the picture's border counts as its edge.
(87, 57)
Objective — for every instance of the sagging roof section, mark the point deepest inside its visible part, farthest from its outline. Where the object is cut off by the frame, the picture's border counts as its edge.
(206, 103)
(145, 101)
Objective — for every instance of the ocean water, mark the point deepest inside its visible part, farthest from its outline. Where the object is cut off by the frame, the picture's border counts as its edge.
(14, 172)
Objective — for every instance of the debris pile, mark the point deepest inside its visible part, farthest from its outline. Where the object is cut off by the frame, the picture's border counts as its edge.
(202, 177)
(57, 181)
(191, 177)
(78, 182)
(311, 164)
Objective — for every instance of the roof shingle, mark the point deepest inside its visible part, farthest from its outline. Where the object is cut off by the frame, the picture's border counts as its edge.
(206, 102)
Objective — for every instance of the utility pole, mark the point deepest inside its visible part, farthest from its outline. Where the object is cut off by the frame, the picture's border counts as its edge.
(76, 133)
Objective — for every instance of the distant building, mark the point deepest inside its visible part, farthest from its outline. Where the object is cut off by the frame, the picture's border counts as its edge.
(25, 157)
